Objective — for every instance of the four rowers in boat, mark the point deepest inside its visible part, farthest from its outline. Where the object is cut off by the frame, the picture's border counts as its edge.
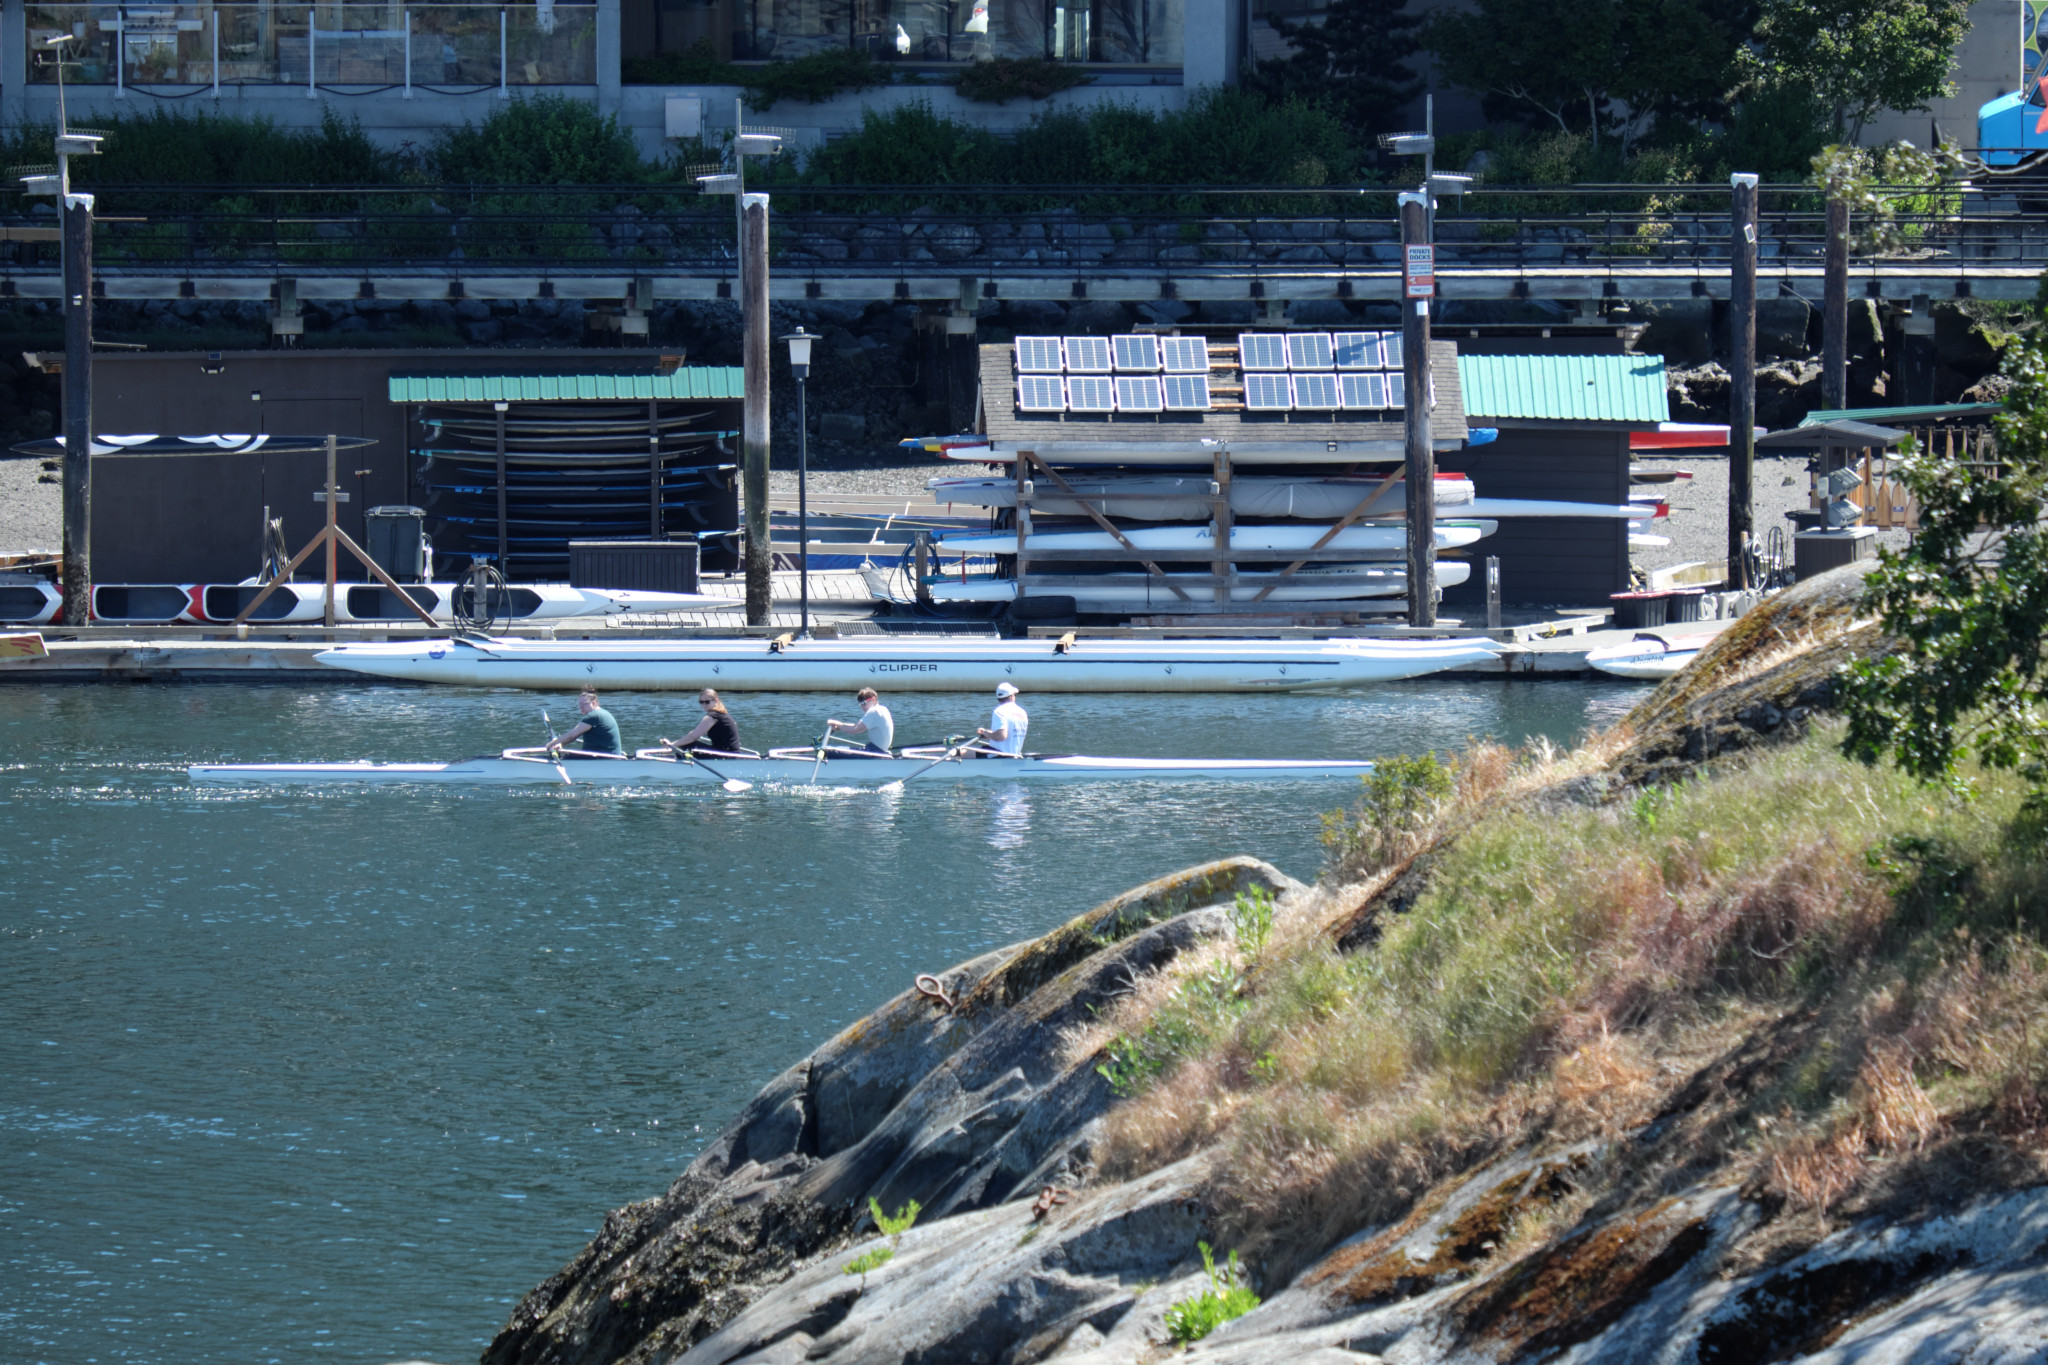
(718, 733)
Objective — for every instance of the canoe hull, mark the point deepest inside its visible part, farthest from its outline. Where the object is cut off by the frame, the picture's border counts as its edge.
(514, 769)
(930, 665)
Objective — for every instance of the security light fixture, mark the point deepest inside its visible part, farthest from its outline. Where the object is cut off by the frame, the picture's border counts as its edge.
(757, 144)
(1408, 144)
(1443, 184)
(719, 184)
(42, 184)
(800, 351)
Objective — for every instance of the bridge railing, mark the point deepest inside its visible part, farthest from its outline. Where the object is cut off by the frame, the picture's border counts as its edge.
(662, 227)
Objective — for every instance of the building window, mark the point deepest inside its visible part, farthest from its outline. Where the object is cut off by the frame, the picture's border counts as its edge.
(1117, 32)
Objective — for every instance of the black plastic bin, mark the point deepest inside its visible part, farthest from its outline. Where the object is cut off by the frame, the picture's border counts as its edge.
(397, 540)
(635, 565)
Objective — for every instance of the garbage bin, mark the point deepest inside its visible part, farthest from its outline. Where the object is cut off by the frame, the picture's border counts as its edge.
(397, 540)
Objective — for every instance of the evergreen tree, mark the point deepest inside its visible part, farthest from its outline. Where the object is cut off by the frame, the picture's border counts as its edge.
(1354, 59)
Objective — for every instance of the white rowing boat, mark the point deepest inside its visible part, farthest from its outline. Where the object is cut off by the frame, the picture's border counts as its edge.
(299, 602)
(1380, 579)
(778, 768)
(1191, 497)
(1367, 542)
(1647, 656)
(910, 664)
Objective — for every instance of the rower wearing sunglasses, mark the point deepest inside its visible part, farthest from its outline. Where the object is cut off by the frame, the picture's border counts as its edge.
(715, 733)
(875, 723)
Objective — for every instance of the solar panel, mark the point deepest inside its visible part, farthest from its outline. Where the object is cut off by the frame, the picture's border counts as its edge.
(1262, 350)
(1136, 353)
(1397, 390)
(1137, 393)
(1390, 350)
(1087, 355)
(1090, 393)
(1187, 392)
(1038, 355)
(1040, 393)
(1316, 392)
(1309, 351)
(1186, 355)
(1267, 393)
(1357, 350)
(1362, 391)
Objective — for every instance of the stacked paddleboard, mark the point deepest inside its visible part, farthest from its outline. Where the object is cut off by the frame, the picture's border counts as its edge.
(585, 471)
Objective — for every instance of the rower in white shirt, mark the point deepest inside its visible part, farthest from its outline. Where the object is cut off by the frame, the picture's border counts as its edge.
(875, 723)
(1007, 724)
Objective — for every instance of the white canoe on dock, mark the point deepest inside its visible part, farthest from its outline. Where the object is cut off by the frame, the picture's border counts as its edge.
(778, 768)
(910, 663)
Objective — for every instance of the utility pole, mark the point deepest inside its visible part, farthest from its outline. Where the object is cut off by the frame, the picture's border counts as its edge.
(1834, 345)
(1419, 275)
(754, 410)
(1742, 380)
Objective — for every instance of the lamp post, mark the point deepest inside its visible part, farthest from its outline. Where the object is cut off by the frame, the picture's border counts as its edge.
(800, 369)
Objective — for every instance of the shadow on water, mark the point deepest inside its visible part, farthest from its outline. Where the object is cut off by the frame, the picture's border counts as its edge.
(348, 1071)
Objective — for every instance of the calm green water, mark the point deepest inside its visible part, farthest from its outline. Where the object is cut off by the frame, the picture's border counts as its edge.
(338, 1075)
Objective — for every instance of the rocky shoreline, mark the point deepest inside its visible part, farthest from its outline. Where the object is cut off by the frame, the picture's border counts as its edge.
(1603, 1227)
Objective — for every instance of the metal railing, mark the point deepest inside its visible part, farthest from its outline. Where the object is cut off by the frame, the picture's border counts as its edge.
(385, 45)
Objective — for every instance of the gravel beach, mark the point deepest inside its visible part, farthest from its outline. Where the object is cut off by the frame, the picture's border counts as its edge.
(31, 512)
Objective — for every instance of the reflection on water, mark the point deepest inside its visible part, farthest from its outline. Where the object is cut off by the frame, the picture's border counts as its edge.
(343, 1072)
(1010, 816)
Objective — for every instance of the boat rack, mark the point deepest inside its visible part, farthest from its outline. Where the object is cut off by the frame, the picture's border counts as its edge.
(1187, 599)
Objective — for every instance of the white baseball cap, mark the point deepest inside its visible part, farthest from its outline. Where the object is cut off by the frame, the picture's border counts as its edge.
(1006, 689)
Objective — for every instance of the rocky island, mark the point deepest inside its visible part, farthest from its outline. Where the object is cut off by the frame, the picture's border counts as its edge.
(1697, 1043)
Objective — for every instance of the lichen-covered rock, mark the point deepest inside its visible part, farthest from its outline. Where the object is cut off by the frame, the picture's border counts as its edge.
(958, 1096)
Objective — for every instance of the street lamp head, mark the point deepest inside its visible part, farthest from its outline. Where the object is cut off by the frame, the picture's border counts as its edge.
(1443, 184)
(757, 144)
(719, 184)
(1408, 144)
(800, 351)
(42, 184)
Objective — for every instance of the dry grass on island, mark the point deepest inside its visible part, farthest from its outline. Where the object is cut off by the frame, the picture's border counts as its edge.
(1846, 966)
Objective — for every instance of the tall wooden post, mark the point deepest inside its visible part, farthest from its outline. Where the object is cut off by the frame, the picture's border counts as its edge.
(654, 519)
(1834, 346)
(77, 552)
(1420, 449)
(332, 499)
(1220, 566)
(1742, 379)
(754, 413)
(504, 564)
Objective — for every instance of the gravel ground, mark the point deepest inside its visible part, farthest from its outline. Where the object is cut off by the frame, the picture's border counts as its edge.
(904, 480)
(1698, 524)
(31, 512)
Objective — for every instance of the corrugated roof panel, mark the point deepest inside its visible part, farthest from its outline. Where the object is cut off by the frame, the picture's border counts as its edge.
(1931, 412)
(1565, 388)
(706, 383)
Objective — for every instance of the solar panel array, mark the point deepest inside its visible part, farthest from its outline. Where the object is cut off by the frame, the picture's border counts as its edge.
(1142, 373)
(1293, 371)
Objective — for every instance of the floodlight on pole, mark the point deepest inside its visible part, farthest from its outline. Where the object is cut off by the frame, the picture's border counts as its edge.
(1408, 144)
(757, 144)
(727, 183)
(1444, 184)
(42, 184)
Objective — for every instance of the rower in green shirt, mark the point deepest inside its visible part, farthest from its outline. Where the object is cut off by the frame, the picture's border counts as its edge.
(598, 731)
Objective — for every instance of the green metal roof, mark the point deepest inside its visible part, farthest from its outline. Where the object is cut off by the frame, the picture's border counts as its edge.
(707, 382)
(1565, 388)
(1891, 417)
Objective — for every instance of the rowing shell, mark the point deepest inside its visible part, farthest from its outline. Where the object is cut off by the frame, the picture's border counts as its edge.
(781, 767)
(910, 664)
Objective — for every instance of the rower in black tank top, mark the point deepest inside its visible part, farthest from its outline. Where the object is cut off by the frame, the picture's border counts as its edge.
(715, 730)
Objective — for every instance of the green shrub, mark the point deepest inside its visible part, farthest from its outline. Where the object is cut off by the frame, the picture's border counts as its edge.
(901, 1223)
(814, 78)
(1200, 1012)
(1001, 79)
(1401, 796)
(1227, 1298)
(547, 140)
(1251, 922)
(872, 1259)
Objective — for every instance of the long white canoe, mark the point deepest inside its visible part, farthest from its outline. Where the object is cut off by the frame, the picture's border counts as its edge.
(913, 664)
(1171, 497)
(1370, 542)
(1320, 583)
(780, 768)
